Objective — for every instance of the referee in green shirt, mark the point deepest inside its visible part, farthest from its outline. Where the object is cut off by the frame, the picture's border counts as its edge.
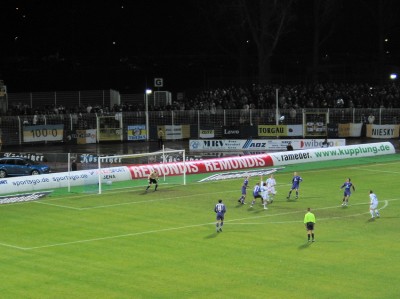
(309, 222)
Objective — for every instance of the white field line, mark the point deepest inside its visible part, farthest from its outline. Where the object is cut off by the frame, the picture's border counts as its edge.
(132, 202)
(380, 171)
(186, 227)
(123, 190)
(56, 205)
(319, 219)
(141, 201)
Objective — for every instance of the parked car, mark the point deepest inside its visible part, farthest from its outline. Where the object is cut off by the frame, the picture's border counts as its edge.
(17, 166)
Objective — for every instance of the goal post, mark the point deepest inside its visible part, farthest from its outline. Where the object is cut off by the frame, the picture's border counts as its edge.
(139, 166)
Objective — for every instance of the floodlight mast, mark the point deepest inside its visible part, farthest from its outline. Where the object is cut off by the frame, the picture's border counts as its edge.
(146, 96)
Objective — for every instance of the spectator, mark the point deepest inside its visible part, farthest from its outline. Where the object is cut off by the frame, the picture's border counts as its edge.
(74, 166)
(371, 119)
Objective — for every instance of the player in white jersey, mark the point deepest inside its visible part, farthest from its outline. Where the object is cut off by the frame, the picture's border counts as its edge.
(373, 205)
(264, 195)
(271, 183)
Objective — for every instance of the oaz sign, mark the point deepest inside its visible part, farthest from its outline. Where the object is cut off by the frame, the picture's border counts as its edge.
(253, 144)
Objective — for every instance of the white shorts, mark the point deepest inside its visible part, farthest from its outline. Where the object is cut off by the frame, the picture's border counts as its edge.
(373, 207)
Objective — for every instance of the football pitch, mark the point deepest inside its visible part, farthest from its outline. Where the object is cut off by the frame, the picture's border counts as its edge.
(126, 243)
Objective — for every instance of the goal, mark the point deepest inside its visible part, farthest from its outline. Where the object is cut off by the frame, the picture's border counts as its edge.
(130, 171)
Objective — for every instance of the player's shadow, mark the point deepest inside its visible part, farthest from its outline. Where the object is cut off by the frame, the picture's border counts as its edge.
(211, 236)
(291, 200)
(305, 245)
(256, 211)
(239, 205)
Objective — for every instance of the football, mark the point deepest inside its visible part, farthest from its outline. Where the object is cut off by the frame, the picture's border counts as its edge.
(282, 118)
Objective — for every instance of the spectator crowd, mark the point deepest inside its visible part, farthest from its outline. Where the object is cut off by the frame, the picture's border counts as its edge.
(327, 95)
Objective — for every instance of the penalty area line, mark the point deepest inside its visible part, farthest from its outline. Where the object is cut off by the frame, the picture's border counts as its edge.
(299, 221)
(175, 229)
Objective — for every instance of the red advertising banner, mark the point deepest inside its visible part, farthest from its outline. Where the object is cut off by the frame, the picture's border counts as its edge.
(202, 166)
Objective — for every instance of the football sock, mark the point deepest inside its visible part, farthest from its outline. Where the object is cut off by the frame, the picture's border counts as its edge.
(308, 236)
(312, 236)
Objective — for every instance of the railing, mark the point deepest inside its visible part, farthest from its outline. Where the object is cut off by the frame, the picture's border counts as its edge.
(12, 127)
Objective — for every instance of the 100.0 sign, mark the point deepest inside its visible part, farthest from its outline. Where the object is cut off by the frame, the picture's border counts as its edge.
(43, 133)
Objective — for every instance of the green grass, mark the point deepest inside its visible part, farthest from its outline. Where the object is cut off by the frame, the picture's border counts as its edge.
(129, 244)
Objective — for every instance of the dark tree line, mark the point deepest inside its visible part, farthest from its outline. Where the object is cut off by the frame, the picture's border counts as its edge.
(252, 31)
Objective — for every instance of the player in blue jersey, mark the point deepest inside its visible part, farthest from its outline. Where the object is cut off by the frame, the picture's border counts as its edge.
(220, 209)
(256, 194)
(295, 185)
(244, 190)
(348, 185)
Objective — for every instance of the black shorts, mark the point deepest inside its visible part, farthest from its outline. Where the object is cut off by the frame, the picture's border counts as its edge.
(310, 225)
(152, 181)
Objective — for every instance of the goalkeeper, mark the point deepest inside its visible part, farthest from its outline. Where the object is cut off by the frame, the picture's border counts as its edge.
(153, 179)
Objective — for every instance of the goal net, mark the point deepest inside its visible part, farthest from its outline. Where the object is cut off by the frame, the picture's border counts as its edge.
(132, 171)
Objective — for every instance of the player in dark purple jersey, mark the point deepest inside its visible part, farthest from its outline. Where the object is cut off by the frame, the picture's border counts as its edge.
(244, 191)
(295, 185)
(220, 209)
(348, 185)
(256, 194)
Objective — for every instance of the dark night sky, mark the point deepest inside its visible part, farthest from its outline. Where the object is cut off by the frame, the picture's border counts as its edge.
(71, 45)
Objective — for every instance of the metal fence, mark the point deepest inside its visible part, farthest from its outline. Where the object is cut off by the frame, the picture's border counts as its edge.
(12, 126)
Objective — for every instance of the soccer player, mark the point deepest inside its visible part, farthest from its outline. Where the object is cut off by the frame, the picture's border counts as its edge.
(256, 194)
(153, 179)
(373, 205)
(295, 185)
(244, 191)
(264, 195)
(309, 222)
(271, 182)
(220, 209)
(348, 185)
